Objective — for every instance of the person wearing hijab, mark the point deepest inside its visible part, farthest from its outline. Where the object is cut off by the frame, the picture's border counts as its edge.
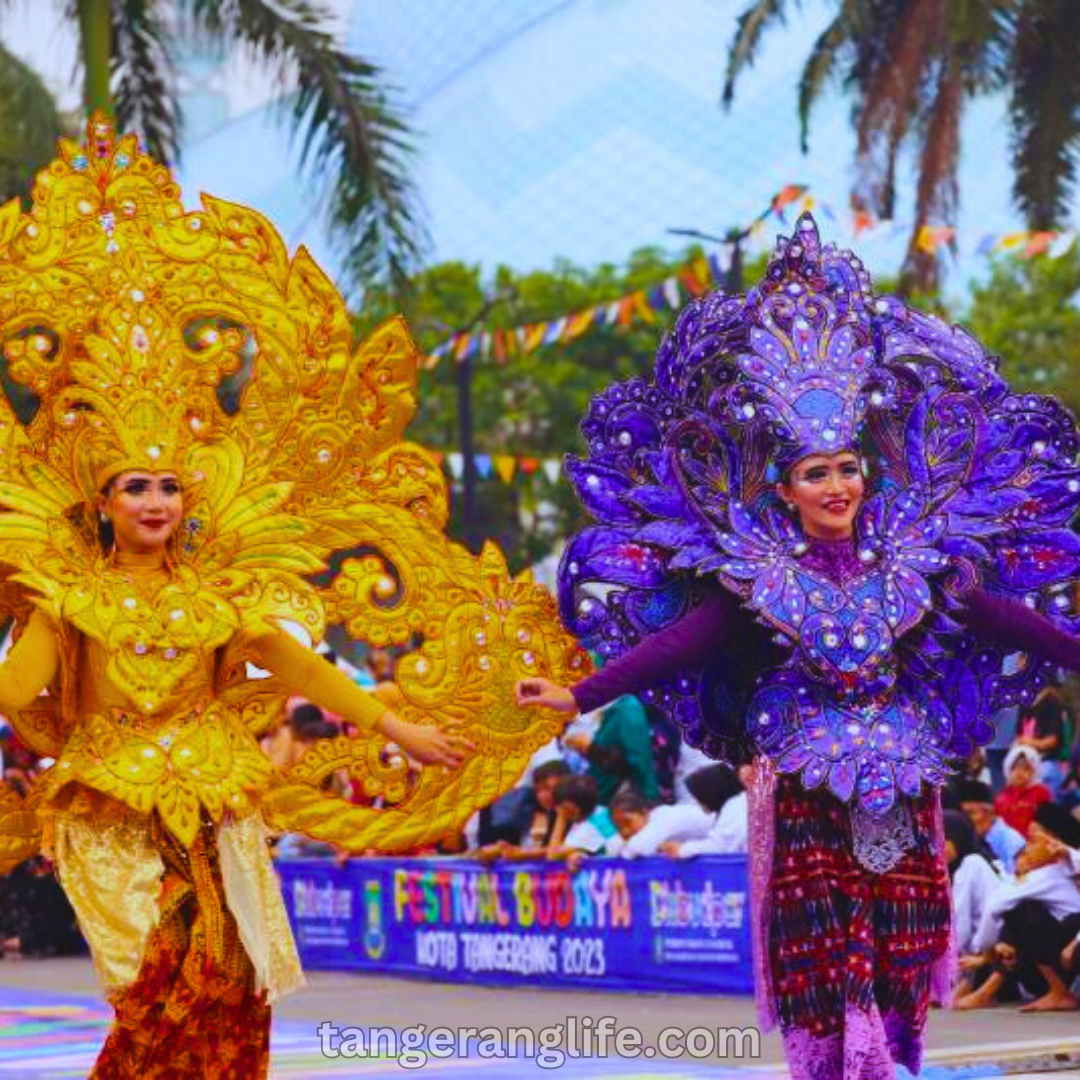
(1024, 792)
(974, 882)
(721, 791)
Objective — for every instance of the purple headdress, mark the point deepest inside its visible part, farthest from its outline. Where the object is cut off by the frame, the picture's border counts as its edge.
(808, 367)
(880, 690)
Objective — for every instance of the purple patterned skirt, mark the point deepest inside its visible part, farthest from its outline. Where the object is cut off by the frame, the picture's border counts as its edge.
(852, 956)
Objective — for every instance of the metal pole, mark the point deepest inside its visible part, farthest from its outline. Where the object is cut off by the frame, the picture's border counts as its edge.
(468, 456)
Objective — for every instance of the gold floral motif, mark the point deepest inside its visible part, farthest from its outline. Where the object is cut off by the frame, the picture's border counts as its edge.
(206, 759)
(20, 832)
(163, 338)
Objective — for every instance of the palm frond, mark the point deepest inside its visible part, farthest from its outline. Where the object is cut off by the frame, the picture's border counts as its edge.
(348, 127)
(753, 23)
(891, 99)
(821, 63)
(983, 35)
(143, 78)
(1044, 110)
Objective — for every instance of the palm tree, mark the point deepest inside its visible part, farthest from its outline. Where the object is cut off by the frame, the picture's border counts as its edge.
(911, 65)
(29, 126)
(1045, 108)
(351, 135)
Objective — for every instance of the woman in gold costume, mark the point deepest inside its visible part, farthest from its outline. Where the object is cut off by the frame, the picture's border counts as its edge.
(154, 543)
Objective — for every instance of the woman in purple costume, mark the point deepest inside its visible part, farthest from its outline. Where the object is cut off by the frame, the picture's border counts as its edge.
(820, 529)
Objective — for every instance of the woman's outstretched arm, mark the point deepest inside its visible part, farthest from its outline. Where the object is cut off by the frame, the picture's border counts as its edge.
(308, 675)
(30, 665)
(685, 644)
(1012, 625)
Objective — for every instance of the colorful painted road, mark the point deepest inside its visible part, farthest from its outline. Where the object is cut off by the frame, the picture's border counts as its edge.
(56, 1036)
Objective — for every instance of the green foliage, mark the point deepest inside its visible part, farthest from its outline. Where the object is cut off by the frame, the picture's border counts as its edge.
(532, 404)
(29, 126)
(1026, 314)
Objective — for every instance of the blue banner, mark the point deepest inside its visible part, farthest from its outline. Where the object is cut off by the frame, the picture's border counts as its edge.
(650, 924)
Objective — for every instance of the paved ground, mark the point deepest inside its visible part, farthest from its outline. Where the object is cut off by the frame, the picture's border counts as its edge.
(52, 1020)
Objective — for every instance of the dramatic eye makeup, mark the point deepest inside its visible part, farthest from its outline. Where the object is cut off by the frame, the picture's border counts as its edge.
(140, 486)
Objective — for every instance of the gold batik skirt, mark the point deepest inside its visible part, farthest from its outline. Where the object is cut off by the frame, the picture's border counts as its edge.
(192, 945)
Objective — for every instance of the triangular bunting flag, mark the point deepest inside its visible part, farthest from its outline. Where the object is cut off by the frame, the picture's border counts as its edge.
(504, 466)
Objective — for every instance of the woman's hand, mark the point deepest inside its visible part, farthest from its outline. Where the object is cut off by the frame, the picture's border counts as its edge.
(544, 694)
(427, 744)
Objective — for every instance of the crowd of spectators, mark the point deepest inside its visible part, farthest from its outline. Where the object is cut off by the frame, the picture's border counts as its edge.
(1012, 827)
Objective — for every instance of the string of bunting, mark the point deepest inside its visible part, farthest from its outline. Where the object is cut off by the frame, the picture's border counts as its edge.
(701, 274)
(691, 279)
(504, 466)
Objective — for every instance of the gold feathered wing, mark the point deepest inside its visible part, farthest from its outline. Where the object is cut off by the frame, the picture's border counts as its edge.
(161, 338)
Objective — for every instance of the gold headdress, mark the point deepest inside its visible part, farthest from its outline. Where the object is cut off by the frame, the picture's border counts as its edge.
(157, 338)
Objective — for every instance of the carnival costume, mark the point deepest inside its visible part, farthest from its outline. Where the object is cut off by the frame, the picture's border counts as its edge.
(162, 340)
(855, 672)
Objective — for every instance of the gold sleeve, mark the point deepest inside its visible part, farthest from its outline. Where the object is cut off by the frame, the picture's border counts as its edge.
(30, 666)
(308, 675)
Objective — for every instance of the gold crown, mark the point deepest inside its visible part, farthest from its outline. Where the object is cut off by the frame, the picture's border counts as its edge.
(110, 310)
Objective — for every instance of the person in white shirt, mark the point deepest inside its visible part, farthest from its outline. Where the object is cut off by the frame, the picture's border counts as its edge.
(643, 829)
(691, 760)
(974, 882)
(720, 791)
(1039, 914)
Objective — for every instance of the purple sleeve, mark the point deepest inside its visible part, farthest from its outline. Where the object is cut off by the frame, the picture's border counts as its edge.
(1012, 625)
(685, 644)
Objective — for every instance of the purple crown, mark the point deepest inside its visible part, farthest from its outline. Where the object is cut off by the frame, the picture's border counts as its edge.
(807, 362)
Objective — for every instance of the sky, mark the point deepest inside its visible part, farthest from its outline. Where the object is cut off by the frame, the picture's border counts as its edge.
(550, 129)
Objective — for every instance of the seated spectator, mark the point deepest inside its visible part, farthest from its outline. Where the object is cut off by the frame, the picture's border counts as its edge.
(691, 760)
(643, 829)
(1017, 801)
(1070, 786)
(621, 752)
(974, 881)
(583, 826)
(1038, 915)
(721, 792)
(35, 916)
(1042, 726)
(534, 818)
(977, 801)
